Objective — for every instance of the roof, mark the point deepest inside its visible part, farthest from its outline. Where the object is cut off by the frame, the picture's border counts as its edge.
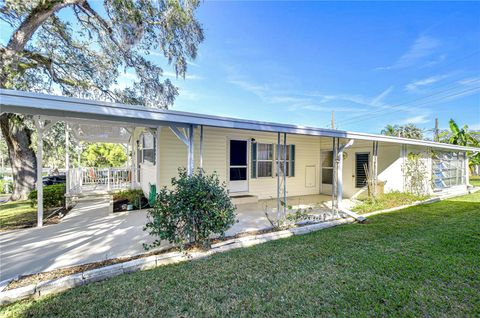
(61, 107)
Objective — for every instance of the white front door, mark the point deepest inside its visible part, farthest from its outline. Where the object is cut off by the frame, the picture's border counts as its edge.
(238, 166)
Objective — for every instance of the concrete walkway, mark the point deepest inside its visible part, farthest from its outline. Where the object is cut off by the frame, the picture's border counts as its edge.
(89, 233)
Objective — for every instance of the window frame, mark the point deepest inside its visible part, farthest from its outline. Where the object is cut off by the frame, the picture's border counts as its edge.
(272, 152)
(153, 149)
(330, 152)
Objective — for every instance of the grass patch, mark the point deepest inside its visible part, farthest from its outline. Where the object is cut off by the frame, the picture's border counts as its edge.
(17, 214)
(387, 201)
(417, 262)
(475, 181)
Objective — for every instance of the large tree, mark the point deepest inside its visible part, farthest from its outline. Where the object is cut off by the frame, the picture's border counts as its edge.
(83, 52)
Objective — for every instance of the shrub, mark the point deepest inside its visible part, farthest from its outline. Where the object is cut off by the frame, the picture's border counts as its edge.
(53, 196)
(191, 211)
(6, 186)
(132, 196)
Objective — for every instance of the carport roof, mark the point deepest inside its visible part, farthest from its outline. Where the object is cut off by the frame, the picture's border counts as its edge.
(69, 108)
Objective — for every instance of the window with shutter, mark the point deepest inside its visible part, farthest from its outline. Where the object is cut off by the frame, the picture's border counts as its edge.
(361, 162)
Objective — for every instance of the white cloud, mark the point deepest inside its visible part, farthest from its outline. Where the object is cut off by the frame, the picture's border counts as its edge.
(420, 119)
(424, 46)
(418, 84)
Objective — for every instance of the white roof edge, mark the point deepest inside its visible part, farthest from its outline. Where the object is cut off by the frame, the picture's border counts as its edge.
(13, 101)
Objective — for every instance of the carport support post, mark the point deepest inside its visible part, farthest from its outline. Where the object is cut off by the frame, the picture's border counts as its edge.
(284, 175)
(201, 148)
(375, 168)
(278, 178)
(190, 150)
(340, 171)
(67, 160)
(157, 157)
(334, 174)
(40, 124)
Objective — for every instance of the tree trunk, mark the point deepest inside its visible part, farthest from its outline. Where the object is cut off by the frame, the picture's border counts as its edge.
(22, 158)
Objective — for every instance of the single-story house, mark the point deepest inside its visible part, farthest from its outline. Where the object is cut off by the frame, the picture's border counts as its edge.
(255, 159)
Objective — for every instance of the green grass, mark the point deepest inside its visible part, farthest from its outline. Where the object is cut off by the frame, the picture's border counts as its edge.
(475, 181)
(387, 201)
(19, 214)
(423, 261)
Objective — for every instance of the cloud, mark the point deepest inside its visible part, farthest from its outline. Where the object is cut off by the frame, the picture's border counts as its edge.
(424, 46)
(418, 84)
(420, 119)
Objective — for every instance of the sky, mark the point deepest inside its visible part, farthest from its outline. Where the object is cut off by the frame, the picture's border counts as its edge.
(372, 63)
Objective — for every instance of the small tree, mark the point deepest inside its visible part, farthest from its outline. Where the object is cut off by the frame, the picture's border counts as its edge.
(196, 207)
(415, 172)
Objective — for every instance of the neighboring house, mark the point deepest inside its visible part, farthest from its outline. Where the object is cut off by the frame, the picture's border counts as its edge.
(245, 153)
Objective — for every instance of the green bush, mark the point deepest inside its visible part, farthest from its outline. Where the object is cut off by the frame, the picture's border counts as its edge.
(132, 196)
(191, 211)
(6, 186)
(53, 196)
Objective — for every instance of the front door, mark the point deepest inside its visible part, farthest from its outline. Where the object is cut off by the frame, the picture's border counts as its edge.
(238, 160)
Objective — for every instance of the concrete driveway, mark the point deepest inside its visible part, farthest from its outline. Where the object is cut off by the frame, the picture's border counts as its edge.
(89, 233)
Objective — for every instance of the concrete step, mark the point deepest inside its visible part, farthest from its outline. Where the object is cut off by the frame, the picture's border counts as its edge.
(244, 199)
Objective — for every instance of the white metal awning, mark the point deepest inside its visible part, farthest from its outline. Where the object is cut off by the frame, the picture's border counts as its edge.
(68, 108)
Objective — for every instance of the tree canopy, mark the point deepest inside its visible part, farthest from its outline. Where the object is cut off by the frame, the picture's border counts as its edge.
(406, 131)
(83, 52)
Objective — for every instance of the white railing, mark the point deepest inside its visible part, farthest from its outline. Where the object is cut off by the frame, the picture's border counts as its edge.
(101, 179)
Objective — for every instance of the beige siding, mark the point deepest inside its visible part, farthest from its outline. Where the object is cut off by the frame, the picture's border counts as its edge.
(215, 158)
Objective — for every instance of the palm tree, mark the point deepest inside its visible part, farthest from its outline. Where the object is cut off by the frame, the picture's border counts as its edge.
(407, 131)
(390, 130)
(463, 137)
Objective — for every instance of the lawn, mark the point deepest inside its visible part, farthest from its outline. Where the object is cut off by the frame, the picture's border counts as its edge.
(420, 261)
(387, 201)
(19, 214)
(475, 181)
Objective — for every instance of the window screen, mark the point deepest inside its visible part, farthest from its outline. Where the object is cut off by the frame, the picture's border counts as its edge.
(361, 162)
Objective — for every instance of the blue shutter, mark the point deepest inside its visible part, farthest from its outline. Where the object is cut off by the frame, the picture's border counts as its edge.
(254, 160)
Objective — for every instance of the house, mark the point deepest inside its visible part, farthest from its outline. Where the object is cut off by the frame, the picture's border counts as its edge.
(255, 159)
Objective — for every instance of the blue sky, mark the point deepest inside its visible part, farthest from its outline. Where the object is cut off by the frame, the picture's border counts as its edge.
(373, 63)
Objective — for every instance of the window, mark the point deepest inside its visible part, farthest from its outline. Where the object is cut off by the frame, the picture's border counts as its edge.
(290, 159)
(148, 148)
(264, 160)
(361, 165)
(327, 167)
(448, 169)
